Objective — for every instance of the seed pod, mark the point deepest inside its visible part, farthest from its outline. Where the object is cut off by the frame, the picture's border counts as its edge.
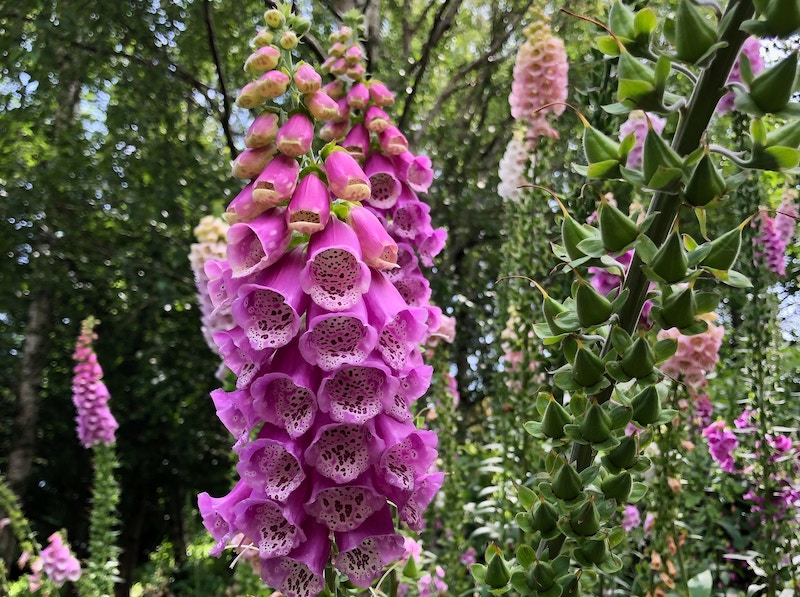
(671, 260)
(617, 230)
(725, 249)
(592, 307)
(639, 359)
(588, 368)
(705, 184)
(772, 89)
(542, 577)
(679, 309)
(595, 552)
(571, 233)
(694, 34)
(625, 455)
(554, 419)
(617, 487)
(657, 154)
(598, 146)
(584, 519)
(646, 406)
(497, 574)
(544, 517)
(567, 483)
(596, 424)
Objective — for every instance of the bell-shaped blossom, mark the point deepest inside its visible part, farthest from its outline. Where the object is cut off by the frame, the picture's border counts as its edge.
(752, 50)
(775, 235)
(392, 141)
(365, 551)
(300, 573)
(277, 181)
(262, 131)
(252, 161)
(57, 562)
(378, 248)
(376, 119)
(271, 464)
(272, 84)
(321, 106)
(638, 123)
(309, 209)
(383, 180)
(696, 355)
(343, 451)
(295, 136)
(356, 142)
(346, 178)
(358, 96)
(263, 59)
(218, 514)
(414, 170)
(339, 338)
(334, 130)
(307, 79)
(631, 519)
(254, 246)
(274, 528)
(96, 424)
(721, 444)
(380, 94)
(344, 507)
(357, 393)
(236, 413)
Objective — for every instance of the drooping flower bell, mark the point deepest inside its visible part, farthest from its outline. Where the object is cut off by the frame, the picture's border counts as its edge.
(329, 308)
(57, 562)
(96, 424)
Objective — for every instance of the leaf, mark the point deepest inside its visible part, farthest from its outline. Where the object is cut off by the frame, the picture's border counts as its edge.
(700, 585)
(638, 491)
(607, 45)
(525, 555)
(645, 22)
(664, 349)
(527, 497)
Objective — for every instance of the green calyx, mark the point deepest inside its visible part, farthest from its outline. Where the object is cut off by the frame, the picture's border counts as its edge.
(694, 34)
(594, 551)
(639, 359)
(671, 261)
(646, 406)
(588, 368)
(705, 185)
(497, 574)
(626, 454)
(542, 577)
(679, 309)
(772, 89)
(617, 487)
(572, 233)
(567, 483)
(661, 166)
(617, 230)
(570, 585)
(544, 518)
(596, 424)
(725, 249)
(592, 307)
(554, 418)
(584, 519)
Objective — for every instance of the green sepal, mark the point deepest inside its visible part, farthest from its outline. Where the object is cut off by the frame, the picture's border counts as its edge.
(678, 309)
(592, 552)
(725, 249)
(526, 555)
(567, 483)
(646, 406)
(543, 576)
(592, 307)
(671, 261)
(638, 491)
(519, 580)
(617, 487)
(595, 427)
(624, 456)
(616, 536)
(664, 349)
(694, 34)
(554, 419)
(620, 416)
(658, 155)
(611, 565)
(593, 247)
(584, 520)
(639, 359)
(732, 278)
(617, 230)
(607, 45)
(771, 90)
(497, 573)
(599, 147)
(781, 18)
(605, 170)
(527, 497)
(523, 521)
(621, 21)
(478, 572)
(571, 584)
(705, 185)
(706, 301)
(544, 519)
(410, 570)
(620, 339)
(588, 368)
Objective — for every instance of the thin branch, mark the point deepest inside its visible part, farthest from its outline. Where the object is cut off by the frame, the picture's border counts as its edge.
(225, 121)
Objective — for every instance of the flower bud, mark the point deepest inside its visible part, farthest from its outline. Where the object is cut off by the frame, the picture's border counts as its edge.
(358, 96)
(334, 130)
(264, 37)
(321, 106)
(567, 483)
(309, 208)
(357, 142)
(554, 419)
(356, 72)
(772, 89)
(301, 25)
(392, 141)
(263, 59)
(376, 119)
(353, 55)
(592, 307)
(679, 309)
(249, 96)
(544, 517)
(595, 551)
(277, 182)
(617, 230)
(262, 131)
(337, 50)
(646, 406)
(378, 248)
(639, 359)
(335, 89)
(595, 427)
(252, 161)
(295, 136)
(274, 18)
(671, 261)
(626, 454)
(584, 519)
(338, 67)
(542, 577)
(617, 487)
(346, 178)
(497, 574)
(272, 84)
(694, 34)
(705, 184)
(588, 368)
(380, 94)
(307, 79)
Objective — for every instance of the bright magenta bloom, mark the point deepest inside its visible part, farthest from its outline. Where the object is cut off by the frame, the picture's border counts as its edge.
(58, 562)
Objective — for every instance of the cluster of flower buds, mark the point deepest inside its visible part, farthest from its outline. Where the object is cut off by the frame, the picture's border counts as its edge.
(96, 424)
(775, 235)
(539, 86)
(330, 307)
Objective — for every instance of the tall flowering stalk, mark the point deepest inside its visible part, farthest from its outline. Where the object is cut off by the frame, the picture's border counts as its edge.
(322, 278)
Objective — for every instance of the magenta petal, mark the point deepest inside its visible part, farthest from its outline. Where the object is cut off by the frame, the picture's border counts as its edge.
(414, 288)
(409, 453)
(357, 142)
(244, 208)
(258, 244)
(336, 339)
(378, 248)
(357, 393)
(346, 178)
(235, 412)
(239, 356)
(334, 274)
(295, 136)
(218, 514)
(269, 309)
(277, 182)
(310, 206)
(273, 528)
(271, 464)
(411, 217)
(364, 553)
(431, 245)
(416, 171)
(219, 276)
(300, 574)
(343, 508)
(425, 490)
(342, 452)
(385, 185)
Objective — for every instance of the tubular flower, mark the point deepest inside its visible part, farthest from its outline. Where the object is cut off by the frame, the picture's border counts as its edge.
(96, 424)
(721, 443)
(775, 235)
(695, 357)
(751, 49)
(540, 79)
(638, 123)
(512, 169)
(329, 309)
(57, 562)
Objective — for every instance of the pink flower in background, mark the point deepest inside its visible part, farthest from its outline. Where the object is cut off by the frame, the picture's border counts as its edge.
(721, 443)
(695, 357)
(775, 235)
(57, 562)
(96, 424)
(751, 49)
(637, 124)
(469, 556)
(512, 169)
(631, 518)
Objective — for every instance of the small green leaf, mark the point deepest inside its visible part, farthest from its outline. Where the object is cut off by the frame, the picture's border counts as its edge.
(607, 45)
(527, 497)
(525, 555)
(638, 491)
(664, 349)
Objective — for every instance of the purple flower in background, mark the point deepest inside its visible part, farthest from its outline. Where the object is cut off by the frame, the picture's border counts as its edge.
(469, 556)
(96, 424)
(57, 562)
(751, 49)
(631, 518)
(721, 443)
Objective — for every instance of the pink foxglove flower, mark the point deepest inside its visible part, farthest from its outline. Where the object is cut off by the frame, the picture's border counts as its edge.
(696, 356)
(775, 235)
(721, 443)
(512, 169)
(96, 424)
(631, 518)
(57, 562)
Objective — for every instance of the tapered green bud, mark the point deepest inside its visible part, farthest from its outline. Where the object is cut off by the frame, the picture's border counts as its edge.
(554, 419)
(588, 368)
(551, 308)
(657, 154)
(646, 406)
(571, 234)
(772, 89)
(544, 517)
(786, 136)
(542, 577)
(694, 34)
(617, 487)
(617, 230)
(592, 307)
(497, 574)
(571, 585)
(625, 455)
(679, 309)
(596, 424)
(567, 483)
(782, 17)
(705, 185)
(598, 146)
(584, 519)
(671, 261)
(639, 359)
(595, 551)
(725, 249)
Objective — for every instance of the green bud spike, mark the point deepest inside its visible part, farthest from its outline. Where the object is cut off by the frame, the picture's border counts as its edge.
(497, 574)
(705, 184)
(595, 551)
(584, 519)
(772, 89)
(639, 359)
(646, 406)
(542, 577)
(657, 154)
(617, 230)
(625, 455)
(596, 424)
(567, 484)
(694, 34)
(545, 517)
(617, 487)
(725, 249)
(679, 309)
(554, 419)
(781, 18)
(588, 368)
(592, 307)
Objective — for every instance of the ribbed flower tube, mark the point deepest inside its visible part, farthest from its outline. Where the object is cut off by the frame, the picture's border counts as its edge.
(329, 308)
(96, 424)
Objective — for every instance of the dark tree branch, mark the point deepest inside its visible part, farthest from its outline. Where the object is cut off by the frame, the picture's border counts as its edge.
(226, 102)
